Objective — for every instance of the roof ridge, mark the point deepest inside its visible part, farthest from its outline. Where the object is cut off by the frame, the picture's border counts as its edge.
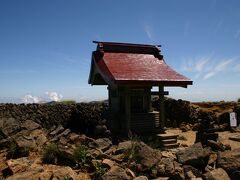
(128, 44)
(116, 47)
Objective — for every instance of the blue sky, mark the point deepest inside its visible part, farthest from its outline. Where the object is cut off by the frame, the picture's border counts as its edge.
(46, 45)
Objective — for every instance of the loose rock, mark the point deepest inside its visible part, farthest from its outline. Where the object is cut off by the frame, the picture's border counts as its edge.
(230, 162)
(116, 172)
(194, 155)
(217, 174)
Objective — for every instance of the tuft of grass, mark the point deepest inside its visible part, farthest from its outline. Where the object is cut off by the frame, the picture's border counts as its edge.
(68, 178)
(53, 155)
(82, 156)
(132, 153)
(14, 151)
(50, 154)
(100, 170)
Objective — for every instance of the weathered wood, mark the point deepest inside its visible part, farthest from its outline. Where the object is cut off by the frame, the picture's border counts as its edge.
(127, 109)
(144, 122)
(161, 107)
(157, 93)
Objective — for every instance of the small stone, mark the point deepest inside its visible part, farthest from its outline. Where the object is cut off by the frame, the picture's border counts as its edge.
(141, 178)
(109, 163)
(58, 130)
(130, 173)
(215, 145)
(73, 137)
(63, 141)
(103, 143)
(190, 175)
(212, 158)
(193, 170)
(65, 132)
(168, 154)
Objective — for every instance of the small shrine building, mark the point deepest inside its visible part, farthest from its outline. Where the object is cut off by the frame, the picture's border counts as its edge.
(130, 71)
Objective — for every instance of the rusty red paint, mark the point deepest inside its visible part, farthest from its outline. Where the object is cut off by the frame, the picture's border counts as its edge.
(124, 67)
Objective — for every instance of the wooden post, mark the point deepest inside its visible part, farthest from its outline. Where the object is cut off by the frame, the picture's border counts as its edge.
(109, 98)
(127, 109)
(149, 100)
(161, 107)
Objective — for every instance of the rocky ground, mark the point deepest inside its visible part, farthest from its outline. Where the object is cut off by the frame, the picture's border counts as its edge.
(73, 142)
(28, 151)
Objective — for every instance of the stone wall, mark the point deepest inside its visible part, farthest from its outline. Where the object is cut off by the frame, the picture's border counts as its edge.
(178, 111)
(80, 116)
(91, 118)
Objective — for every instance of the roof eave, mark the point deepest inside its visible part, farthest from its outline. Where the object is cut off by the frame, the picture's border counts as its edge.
(154, 83)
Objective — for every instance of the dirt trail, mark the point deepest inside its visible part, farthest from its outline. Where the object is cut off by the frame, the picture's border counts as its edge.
(188, 138)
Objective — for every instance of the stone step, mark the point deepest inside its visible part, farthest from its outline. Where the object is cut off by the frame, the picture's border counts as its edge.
(170, 146)
(167, 136)
(168, 141)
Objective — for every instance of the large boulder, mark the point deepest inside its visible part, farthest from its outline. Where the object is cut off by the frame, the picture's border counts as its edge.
(148, 156)
(40, 137)
(30, 125)
(19, 165)
(23, 139)
(124, 146)
(194, 155)
(49, 172)
(139, 152)
(10, 126)
(33, 139)
(230, 162)
(101, 143)
(116, 173)
(167, 167)
(216, 174)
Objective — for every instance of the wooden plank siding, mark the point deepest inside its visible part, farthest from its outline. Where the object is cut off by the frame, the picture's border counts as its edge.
(144, 122)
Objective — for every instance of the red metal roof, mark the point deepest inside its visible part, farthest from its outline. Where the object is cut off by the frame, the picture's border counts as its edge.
(134, 64)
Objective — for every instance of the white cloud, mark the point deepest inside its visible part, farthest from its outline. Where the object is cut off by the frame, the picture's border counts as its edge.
(206, 67)
(195, 65)
(50, 96)
(54, 96)
(148, 31)
(222, 66)
(30, 99)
